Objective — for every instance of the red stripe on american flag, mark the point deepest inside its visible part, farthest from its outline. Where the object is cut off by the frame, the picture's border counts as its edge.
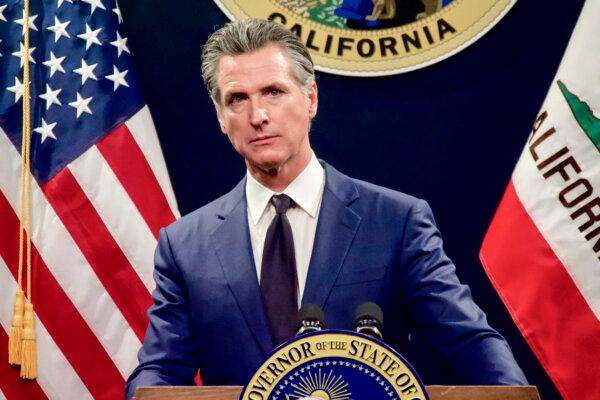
(11, 384)
(99, 248)
(543, 300)
(60, 317)
(129, 164)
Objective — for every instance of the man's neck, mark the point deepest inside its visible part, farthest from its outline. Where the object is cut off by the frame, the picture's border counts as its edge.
(277, 179)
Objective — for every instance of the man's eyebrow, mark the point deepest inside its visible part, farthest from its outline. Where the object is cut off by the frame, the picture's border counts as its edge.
(228, 95)
(278, 84)
(275, 84)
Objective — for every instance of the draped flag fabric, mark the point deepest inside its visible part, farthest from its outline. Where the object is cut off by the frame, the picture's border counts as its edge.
(99, 196)
(542, 249)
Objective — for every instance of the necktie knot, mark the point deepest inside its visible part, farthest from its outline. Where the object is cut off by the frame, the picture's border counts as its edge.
(281, 202)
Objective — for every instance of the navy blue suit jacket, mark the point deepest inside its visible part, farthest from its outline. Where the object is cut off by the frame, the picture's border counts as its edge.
(371, 244)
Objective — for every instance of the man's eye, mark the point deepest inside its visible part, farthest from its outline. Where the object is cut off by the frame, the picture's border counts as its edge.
(274, 92)
(235, 99)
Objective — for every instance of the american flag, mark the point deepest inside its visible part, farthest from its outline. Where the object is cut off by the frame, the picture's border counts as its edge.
(100, 194)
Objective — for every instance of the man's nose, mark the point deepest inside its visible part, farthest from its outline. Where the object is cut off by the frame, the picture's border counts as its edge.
(258, 114)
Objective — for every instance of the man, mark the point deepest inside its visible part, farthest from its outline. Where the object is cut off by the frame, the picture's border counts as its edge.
(329, 240)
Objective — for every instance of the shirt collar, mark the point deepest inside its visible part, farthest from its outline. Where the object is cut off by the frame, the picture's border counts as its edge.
(306, 191)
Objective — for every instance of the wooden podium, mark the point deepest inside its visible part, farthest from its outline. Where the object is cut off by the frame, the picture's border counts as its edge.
(435, 393)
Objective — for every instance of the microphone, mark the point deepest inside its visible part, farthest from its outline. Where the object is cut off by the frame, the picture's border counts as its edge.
(369, 320)
(310, 319)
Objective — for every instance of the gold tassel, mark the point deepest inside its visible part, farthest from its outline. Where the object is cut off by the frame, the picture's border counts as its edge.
(16, 331)
(29, 353)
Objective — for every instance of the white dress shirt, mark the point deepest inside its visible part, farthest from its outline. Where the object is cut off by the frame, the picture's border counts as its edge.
(306, 191)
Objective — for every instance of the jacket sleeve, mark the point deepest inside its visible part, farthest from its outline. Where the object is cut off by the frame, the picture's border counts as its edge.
(168, 355)
(442, 312)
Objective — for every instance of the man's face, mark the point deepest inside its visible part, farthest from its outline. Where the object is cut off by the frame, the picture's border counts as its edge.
(263, 110)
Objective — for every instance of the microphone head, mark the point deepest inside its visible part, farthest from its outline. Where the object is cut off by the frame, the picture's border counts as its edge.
(310, 312)
(310, 319)
(368, 311)
(369, 320)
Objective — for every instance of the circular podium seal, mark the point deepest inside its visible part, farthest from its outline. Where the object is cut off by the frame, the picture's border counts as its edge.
(334, 365)
(377, 37)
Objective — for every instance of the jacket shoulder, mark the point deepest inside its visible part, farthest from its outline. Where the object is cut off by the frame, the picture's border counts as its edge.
(372, 192)
(351, 189)
(367, 198)
(208, 217)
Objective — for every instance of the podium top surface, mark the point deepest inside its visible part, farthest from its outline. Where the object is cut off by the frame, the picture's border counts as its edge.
(434, 392)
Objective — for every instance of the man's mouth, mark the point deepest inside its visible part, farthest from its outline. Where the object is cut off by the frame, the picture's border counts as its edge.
(262, 138)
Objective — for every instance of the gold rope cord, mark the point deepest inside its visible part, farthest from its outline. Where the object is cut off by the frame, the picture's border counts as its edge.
(22, 343)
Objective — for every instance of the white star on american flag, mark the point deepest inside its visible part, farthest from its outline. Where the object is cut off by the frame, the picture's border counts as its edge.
(90, 36)
(95, 4)
(120, 44)
(46, 130)
(54, 64)
(21, 54)
(61, 1)
(21, 21)
(117, 11)
(17, 89)
(81, 104)
(118, 78)
(59, 29)
(86, 71)
(51, 96)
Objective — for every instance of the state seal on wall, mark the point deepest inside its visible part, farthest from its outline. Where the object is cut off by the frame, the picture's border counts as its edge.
(377, 37)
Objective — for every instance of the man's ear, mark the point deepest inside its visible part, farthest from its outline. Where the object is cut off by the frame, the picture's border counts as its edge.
(220, 117)
(313, 98)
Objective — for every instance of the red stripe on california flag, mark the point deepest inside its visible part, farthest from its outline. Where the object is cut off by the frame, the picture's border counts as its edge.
(543, 300)
(11, 384)
(99, 248)
(130, 166)
(61, 319)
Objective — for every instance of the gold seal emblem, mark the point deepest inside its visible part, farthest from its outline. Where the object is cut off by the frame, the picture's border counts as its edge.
(334, 365)
(377, 37)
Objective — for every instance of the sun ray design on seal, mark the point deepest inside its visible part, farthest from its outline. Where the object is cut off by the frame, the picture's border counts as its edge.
(320, 386)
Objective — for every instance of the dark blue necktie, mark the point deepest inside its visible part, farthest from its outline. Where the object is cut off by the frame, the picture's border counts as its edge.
(278, 281)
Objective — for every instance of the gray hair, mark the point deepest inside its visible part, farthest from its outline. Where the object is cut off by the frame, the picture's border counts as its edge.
(245, 36)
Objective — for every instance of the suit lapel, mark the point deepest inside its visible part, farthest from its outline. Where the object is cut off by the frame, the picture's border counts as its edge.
(336, 229)
(232, 243)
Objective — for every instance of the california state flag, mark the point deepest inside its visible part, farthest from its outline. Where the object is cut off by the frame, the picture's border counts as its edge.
(542, 249)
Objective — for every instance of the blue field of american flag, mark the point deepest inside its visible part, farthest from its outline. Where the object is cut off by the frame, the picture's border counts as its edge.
(99, 196)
